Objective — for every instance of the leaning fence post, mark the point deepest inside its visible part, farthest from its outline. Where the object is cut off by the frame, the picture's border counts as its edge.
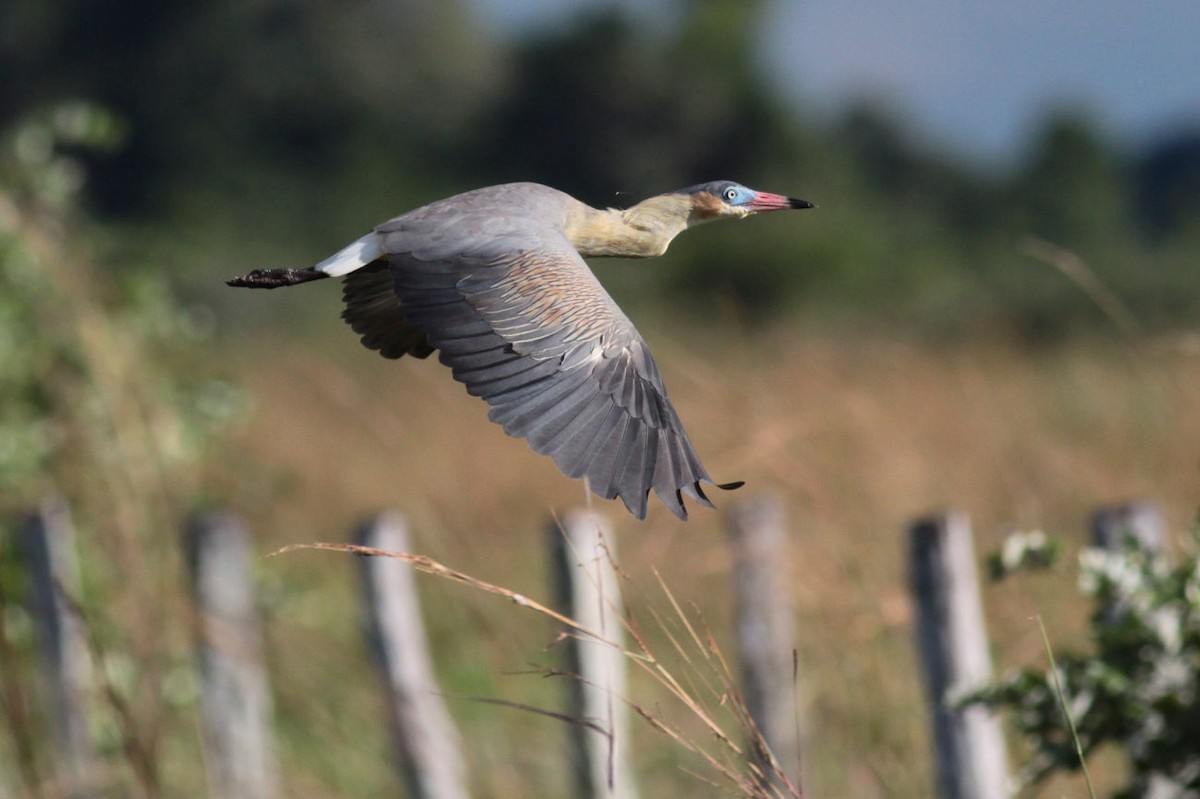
(766, 629)
(48, 541)
(584, 553)
(428, 753)
(235, 697)
(971, 756)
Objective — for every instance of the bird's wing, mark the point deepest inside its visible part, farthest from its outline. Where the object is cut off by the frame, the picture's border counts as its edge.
(524, 324)
(373, 312)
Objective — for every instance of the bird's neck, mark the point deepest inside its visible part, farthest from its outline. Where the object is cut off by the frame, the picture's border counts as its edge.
(642, 231)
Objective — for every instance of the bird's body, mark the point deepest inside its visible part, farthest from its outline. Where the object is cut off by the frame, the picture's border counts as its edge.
(494, 280)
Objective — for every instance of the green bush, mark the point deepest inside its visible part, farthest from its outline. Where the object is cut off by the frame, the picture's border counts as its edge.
(101, 401)
(1138, 687)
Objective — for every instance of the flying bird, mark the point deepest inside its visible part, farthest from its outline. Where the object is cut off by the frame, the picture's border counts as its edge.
(494, 280)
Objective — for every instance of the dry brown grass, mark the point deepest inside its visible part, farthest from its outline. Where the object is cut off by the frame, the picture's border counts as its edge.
(859, 433)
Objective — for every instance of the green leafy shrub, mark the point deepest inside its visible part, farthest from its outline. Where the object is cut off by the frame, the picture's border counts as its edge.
(1138, 688)
(101, 401)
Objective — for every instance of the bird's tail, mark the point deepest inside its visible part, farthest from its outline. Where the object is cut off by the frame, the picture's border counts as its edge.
(274, 278)
(346, 260)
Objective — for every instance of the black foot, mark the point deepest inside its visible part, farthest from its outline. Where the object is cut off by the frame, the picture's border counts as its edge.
(274, 278)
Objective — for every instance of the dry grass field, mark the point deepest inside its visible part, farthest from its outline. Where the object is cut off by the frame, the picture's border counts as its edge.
(859, 432)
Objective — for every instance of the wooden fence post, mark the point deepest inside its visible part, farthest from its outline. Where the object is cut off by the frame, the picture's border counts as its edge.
(235, 697)
(765, 621)
(971, 756)
(428, 753)
(583, 552)
(1142, 520)
(48, 541)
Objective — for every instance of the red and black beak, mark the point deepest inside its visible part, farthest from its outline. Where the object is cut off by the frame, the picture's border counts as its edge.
(764, 201)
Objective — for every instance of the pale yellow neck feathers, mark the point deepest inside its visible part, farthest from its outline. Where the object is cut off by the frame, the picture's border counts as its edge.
(642, 231)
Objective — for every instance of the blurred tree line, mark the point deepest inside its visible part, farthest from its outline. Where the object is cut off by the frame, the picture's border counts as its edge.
(265, 132)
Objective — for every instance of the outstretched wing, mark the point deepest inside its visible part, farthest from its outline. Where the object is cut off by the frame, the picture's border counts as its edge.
(524, 324)
(373, 312)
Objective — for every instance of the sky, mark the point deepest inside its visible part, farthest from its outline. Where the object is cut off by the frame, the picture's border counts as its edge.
(975, 75)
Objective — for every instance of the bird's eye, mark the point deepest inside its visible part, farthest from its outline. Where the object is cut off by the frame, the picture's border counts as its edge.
(731, 194)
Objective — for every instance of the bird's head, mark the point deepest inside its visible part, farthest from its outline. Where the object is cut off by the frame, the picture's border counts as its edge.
(725, 198)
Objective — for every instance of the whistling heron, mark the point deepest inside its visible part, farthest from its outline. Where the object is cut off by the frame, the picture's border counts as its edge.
(495, 281)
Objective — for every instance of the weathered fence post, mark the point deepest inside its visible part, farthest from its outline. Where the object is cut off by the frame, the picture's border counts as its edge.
(971, 756)
(48, 541)
(1142, 520)
(587, 587)
(428, 753)
(235, 697)
(1109, 528)
(764, 617)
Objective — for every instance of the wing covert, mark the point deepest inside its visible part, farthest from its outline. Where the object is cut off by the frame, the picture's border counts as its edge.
(525, 325)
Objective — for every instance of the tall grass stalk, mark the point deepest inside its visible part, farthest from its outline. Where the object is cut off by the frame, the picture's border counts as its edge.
(1078, 272)
(1062, 700)
(706, 687)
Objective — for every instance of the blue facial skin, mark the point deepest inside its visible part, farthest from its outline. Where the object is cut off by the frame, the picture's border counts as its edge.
(726, 190)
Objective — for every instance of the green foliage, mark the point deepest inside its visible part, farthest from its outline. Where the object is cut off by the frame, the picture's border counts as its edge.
(83, 355)
(35, 344)
(218, 93)
(1138, 688)
(278, 130)
(612, 114)
(1024, 550)
(1071, 189)
(99, 402)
